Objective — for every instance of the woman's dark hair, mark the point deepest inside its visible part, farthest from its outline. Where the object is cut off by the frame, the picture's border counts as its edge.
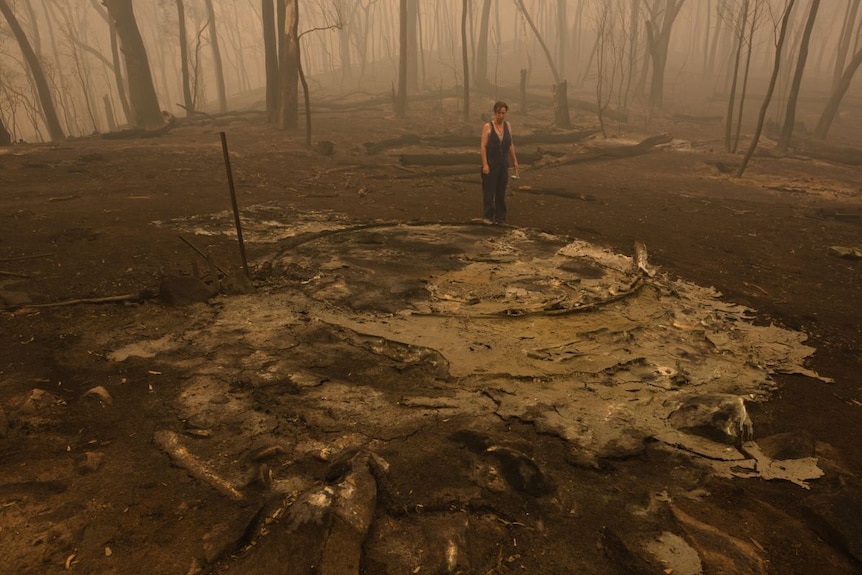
(499, 105)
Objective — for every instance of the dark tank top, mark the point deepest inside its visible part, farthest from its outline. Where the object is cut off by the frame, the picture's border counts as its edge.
(497, 150)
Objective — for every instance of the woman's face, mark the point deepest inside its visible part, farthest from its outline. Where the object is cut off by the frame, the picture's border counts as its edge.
(500, 115)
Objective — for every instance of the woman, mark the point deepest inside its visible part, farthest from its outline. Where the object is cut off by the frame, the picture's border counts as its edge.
(495, 149)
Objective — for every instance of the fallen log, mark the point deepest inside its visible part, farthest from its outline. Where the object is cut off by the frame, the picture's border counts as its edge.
(691, 119)
(607, 152)
(457, 141)
(168, 441)
(110, 299)
(137, 132)
(588, 106)
(820, 150)
(455, 159)
(20, 258)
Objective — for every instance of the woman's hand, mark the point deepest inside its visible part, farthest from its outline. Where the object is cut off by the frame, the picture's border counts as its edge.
(486, 170)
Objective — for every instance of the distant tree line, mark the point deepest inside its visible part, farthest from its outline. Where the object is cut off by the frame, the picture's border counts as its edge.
(71, 68)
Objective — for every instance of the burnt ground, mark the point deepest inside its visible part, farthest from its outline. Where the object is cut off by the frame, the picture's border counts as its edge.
(87, 483)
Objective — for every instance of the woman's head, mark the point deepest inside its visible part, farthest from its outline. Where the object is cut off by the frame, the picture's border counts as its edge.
(500, 106)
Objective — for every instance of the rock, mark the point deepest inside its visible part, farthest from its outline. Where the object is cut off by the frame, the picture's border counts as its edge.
(237, 283)
(622, 556)
(517, 468)
(720, 552)
(184, 290)
(322, 532)
(447, 543)
(835, 517)
(14, 298)
(521, 472)
(4, 423)
(92, 462)
(98, 534)
(790, 445)
(101, 394)
(675, 554)
(229, 536)
(38, 400)
(716, 416)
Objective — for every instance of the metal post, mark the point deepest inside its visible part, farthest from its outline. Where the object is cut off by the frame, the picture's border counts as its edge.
(233, 202)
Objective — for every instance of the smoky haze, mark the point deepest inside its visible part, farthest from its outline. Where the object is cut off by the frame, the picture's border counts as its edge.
(604, 50)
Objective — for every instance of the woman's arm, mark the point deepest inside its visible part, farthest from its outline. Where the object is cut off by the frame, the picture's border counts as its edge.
(483, 148)
(512, 149)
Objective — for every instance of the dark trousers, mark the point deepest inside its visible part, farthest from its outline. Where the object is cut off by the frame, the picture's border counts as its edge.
(494, 185)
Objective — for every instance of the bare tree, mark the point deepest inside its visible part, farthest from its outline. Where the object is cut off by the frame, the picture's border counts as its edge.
(562, 35)
(604, 47)
(663, 13)
(217, 64)
(289, 67)
(344, 40)
(840, 87)
(116, 66)
(848, 32)
(49, 112)
(790, 111)
(184, 59)
(401, 95)
(740, 29)
(5, 136)
(782, 35)
(270, 50)
(754, 21)
(480, 68)
(412, 46)
(142, 93)
(465, 57)
(560, 90)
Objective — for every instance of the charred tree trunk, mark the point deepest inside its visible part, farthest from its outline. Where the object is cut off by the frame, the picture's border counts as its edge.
(184, 59)
(831, 109)
(401, 95)
(218, 69)
(465, 56)
(412, 46)
(289, 68)
(344, 42)
(742, 19)
(561, 107)
(480, 68)
(541, 40)
(634, 25)
(750, 48)
(793, 97)
(782, 36)
(658, 40)
(119, 79)
(305, 95)
(49, 112)
(848, 31)
(270, 49)
(5, 136)
(843, 76)
(562, 35)
(142, 93)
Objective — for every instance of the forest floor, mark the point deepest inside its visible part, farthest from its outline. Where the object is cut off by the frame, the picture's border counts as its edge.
(405, 389)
